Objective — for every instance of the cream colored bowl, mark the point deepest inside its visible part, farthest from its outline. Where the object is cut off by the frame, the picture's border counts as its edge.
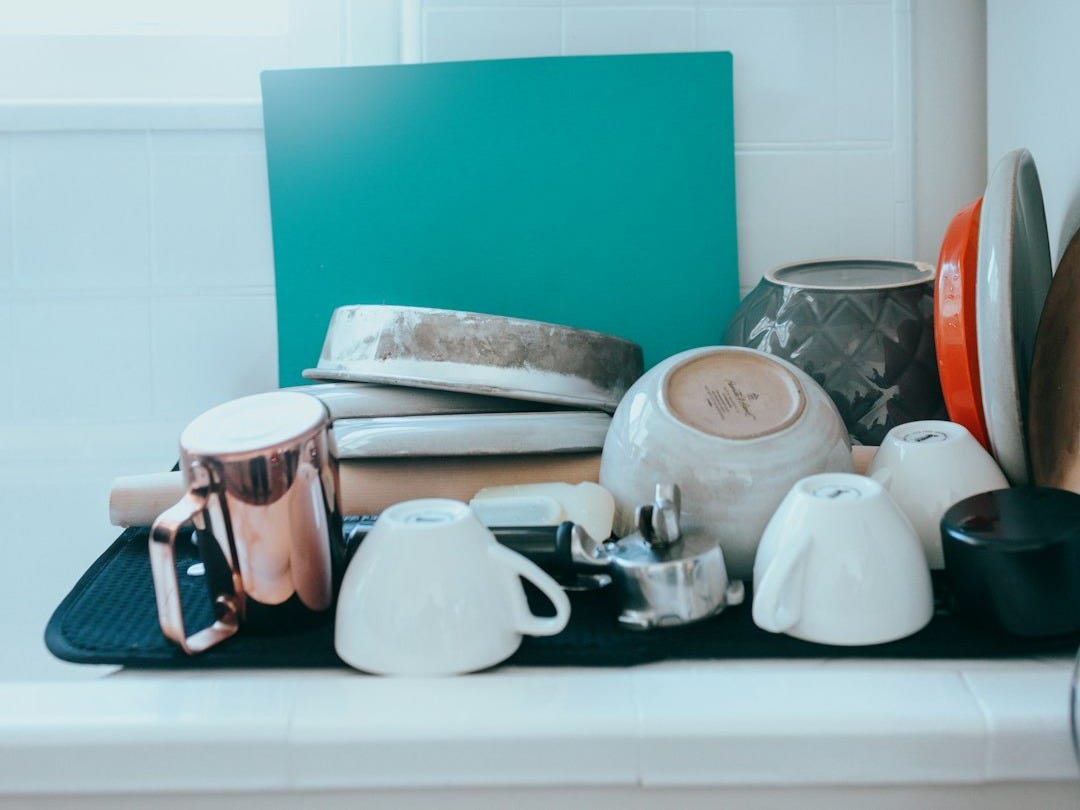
(735, 429)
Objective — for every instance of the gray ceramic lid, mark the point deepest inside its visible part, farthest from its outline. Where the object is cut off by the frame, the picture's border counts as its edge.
(851, 274)
(1015, 519)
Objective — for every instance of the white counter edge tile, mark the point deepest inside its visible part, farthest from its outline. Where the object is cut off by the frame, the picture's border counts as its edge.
(765, 723)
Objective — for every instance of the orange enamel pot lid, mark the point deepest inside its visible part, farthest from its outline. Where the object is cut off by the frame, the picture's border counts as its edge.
(954, 322)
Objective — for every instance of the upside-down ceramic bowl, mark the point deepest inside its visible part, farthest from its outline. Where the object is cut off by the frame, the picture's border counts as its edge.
(735, 429)
(863, 328)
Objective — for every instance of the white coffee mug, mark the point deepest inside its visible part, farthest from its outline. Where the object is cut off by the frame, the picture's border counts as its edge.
(927, 467)
(431, 592)
(839, 563)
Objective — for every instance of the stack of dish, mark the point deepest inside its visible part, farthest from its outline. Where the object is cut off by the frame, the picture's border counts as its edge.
(440, 403)
(994, 274)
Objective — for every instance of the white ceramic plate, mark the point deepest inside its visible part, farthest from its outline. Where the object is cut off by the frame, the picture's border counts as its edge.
(1013, 276)
(348, 400)
(471, 434)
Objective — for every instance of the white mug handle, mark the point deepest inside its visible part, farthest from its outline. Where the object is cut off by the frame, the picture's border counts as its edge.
(776, 608)
(525, 621)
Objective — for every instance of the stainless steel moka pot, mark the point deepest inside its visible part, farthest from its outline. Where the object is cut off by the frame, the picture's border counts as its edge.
(661, 576)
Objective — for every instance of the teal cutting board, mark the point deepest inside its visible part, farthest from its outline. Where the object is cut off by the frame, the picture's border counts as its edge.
(596, 192)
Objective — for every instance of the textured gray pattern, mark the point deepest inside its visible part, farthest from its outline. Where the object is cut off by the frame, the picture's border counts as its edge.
(871, 350)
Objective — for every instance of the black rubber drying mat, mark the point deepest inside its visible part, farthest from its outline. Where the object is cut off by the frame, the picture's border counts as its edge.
(110, 618)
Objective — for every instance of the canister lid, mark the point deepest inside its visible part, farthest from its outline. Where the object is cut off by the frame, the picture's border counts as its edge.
(1016, 519)
(851, 274)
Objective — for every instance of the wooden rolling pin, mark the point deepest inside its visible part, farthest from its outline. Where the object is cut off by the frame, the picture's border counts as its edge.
(861, 456)
(370, 486)
(135, 500)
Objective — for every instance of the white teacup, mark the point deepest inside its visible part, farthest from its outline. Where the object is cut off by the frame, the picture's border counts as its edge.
(927, 467)
(839, 563)
(431, 592)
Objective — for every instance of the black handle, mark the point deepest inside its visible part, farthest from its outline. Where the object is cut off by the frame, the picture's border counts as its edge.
(547, 546)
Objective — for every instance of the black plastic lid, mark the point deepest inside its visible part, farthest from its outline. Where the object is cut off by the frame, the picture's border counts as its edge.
(1017, 519)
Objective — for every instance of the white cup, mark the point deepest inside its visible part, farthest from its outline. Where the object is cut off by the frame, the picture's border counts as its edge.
(839, 563)
(927, 467)
(431, 592)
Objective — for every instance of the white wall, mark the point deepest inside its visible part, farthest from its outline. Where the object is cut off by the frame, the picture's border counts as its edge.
(1033, 63)
(136, 279)
(949, 110)
(823, 163)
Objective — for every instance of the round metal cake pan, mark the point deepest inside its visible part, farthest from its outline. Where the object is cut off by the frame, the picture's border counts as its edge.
(474, 353)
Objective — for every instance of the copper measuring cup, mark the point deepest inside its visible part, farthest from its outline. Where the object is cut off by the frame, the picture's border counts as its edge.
(262, 492)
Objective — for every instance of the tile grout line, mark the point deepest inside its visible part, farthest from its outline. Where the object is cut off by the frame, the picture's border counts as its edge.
(988, 723)
(151, 261)
(345, 53)
(292, 778)
(151, 183)
(835, 156)
(11, 211)
(903, 129)
(12, 395)
(562, 28)
(7, 286)
(796, 147)
(699, 14)
(639, 729)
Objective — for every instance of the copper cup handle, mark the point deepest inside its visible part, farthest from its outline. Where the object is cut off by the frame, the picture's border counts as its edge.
(166, 587)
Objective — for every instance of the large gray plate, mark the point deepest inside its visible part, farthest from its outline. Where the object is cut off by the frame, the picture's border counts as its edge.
(1013, 276)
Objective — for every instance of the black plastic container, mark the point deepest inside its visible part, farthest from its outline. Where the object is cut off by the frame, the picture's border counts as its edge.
(1012, 558)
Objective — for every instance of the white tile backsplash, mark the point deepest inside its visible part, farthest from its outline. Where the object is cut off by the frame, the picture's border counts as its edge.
(211, 213)
(1019, 706)
(863, 207)
(210, 349)
(491, 33)
(629, 30)
(374, 28)
(812, 204)
(785, 68)
(207, 142)
(82, 360)
(81, 210)
(864, 72)
(785, 208)
(99, 229)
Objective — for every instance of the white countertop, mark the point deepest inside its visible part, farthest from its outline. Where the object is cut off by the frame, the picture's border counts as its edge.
(836, 732)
